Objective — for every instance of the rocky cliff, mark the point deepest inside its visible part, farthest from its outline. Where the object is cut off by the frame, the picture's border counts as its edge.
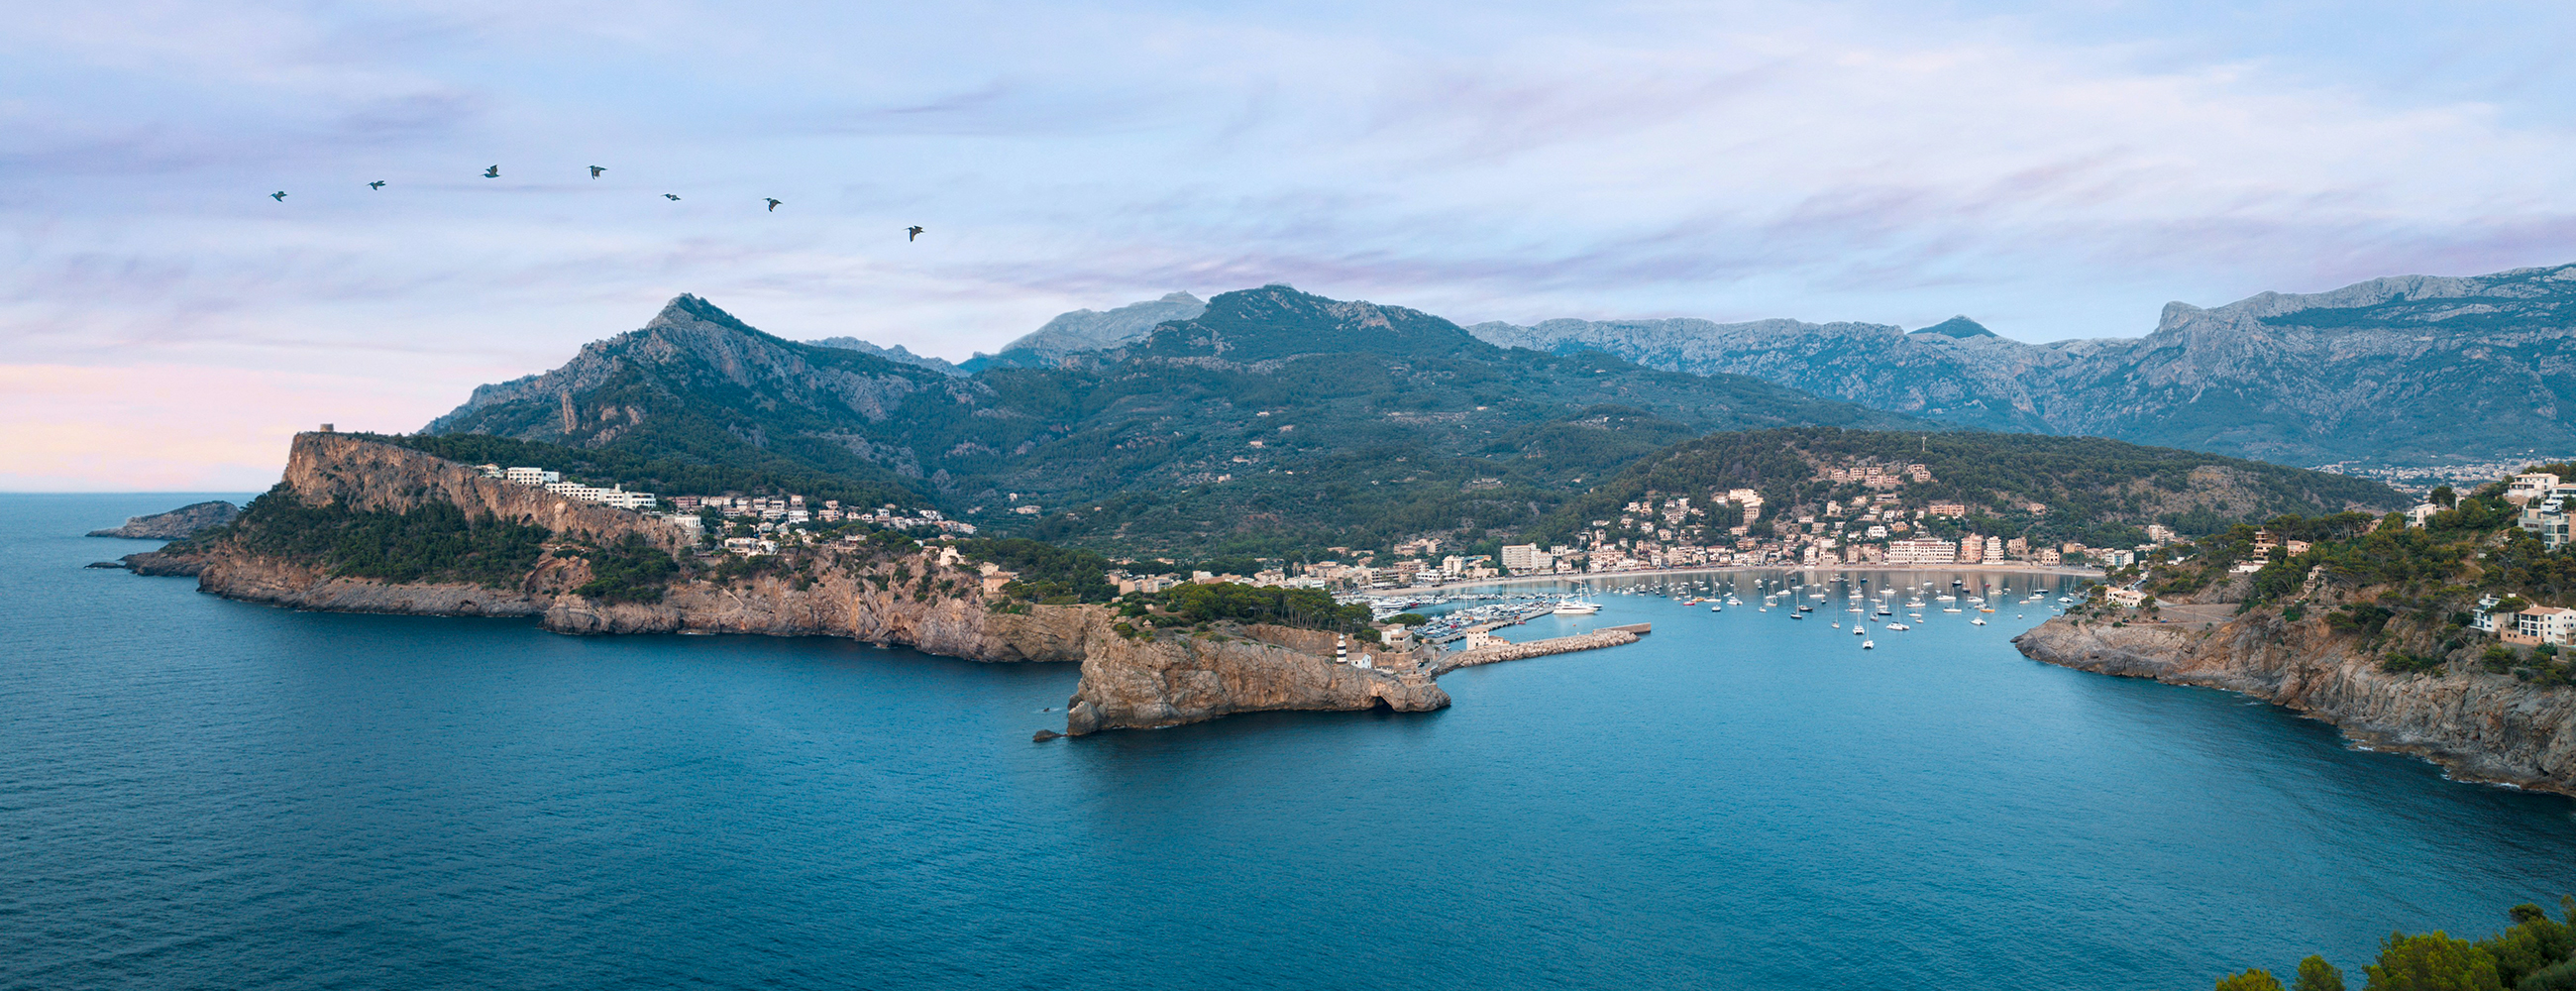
(1186, 679)
(178, 524)
(2482, 726)
(922, 597)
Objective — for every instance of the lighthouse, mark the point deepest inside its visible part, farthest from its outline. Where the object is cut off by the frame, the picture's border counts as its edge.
(1341, 649)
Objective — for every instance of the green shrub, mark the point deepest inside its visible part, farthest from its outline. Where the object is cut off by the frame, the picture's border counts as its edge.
(632, 570)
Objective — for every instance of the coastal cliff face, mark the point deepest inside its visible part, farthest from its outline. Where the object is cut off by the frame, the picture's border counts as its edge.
(2481, 726)
(369, 474)
(1182, 679)
(913, 599)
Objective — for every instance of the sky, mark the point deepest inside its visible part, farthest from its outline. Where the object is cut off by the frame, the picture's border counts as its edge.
(2053, 170)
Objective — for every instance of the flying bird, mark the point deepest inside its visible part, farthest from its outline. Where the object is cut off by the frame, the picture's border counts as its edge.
(595, 171)
(773, 203)
(673, 197)
(279, 196)
(492, 173)
(911, 232)
(378, 184)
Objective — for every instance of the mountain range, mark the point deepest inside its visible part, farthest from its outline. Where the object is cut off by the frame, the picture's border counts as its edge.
(2400, 370)
(1270, 419)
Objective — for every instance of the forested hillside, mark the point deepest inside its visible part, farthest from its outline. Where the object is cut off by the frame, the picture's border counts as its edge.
(1273, 422)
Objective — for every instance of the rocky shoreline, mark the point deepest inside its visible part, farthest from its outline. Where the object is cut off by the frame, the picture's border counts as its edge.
(2479, 726)
(1128, 680)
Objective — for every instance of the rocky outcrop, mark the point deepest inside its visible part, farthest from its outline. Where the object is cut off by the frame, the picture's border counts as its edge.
(1151, 681)
(2482, 726)
(178, 524)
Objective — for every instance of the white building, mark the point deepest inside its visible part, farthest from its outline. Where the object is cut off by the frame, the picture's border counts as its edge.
(1750, 499)
(532, 476)
(617, 496)
(1921, 551)
(2546, 516)
(2531, 486)
(1522, 558)
(2543, 624)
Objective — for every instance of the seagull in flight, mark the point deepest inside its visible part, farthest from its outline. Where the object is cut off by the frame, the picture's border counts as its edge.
(492, 173)
(773, 203)
(595, 171)
(378, 184)
(279, 196)
(912, 232)
(673, 197)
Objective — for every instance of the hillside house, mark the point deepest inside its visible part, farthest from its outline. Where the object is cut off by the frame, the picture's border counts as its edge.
(2527, 487)
(2542, 625)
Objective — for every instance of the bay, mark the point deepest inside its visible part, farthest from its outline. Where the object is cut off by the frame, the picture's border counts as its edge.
(200, 793)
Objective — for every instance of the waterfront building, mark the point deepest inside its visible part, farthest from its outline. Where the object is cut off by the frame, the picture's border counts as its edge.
(1521, 559)
(1924, 550)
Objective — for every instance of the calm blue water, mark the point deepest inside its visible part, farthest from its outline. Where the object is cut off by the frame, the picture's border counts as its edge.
(197, 793)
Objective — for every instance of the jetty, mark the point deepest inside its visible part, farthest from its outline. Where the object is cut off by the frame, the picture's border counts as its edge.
(1482, 649)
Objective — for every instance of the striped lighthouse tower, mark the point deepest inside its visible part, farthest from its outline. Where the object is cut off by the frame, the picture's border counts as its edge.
(1341, 649)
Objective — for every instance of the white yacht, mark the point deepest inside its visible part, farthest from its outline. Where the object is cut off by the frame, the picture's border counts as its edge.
(1576, 607)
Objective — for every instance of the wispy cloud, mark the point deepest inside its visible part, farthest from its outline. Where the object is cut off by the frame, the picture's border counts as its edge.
(2055, 171)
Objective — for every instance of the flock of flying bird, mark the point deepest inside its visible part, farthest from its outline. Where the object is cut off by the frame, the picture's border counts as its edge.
(909, 233)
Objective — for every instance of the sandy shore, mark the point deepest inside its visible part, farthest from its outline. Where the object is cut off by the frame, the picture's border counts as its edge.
(2010, 568)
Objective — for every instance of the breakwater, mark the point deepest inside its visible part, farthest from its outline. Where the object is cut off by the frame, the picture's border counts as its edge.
(1497, 652)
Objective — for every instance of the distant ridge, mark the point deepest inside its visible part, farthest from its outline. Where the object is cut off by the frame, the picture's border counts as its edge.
(895, 353)
(1091, 330)
(2406, 369)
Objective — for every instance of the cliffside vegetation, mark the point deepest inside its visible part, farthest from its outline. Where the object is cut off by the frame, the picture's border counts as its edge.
(2406, 592)
(2535, 953)
(1047, 574)
(1231, 602)
(434, 543)
(631, 570)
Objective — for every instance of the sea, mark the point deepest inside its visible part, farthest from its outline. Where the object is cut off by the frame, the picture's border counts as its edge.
(196, 793)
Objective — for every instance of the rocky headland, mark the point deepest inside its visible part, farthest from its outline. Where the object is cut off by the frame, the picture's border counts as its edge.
(178, 524)
(923, 596)
(2481, 726)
